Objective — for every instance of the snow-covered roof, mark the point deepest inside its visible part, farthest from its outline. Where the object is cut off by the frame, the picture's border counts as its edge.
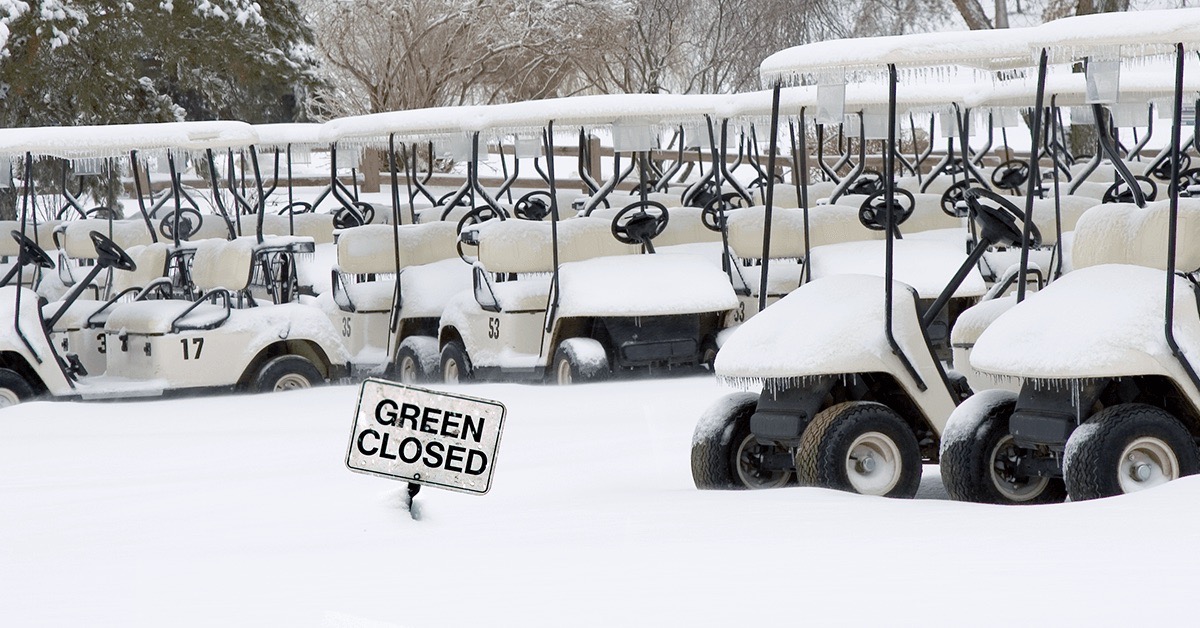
(426, 123)
(1070, 89)
(281, 135)
(1127, 34)
(601, 110)
(116, 140)
(989, 50)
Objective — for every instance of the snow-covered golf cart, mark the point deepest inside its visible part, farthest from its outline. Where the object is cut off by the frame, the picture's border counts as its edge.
(1109, 396)
(847, 390)
(578, 299)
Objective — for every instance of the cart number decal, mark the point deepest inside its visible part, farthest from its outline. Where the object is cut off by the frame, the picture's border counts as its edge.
(493, 328)
(740, 314)
(196, 343)
(345, 328)
(103, 340)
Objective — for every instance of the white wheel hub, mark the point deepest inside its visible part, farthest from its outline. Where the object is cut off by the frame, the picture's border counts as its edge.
(450, 372)
(1003, 458)
(564, 372)
(408, 370)
(873, 464)
(1146, 463)
(8, 398)
(292, 381)
(749, 466)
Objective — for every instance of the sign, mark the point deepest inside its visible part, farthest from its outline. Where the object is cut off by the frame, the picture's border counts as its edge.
(437, 439)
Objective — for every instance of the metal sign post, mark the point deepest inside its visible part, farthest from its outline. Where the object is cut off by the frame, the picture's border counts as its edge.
(425, 437)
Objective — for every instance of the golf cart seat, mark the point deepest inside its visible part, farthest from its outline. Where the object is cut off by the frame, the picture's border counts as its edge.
(684, 226)
(371, 250)
(319, 227)
(72, 236)
(43, 235)
(522, 246)
(937, 186)
(1123, 233)
(828, 224)
(1092, 189)
(151, 261)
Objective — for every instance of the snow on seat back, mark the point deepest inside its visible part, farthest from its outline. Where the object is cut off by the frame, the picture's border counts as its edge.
(76, 240)
(43, 235)
(151, 260)
(1091, 189)
(522, 246)
(828, 224)
(1123, 233)
(1071, 208)
(927, 215)
(684, 226)
(319, 227)
(8, 245)
(223, 264)
(372, 248)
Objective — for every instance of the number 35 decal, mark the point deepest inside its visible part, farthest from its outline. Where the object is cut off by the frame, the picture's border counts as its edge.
(493, 328)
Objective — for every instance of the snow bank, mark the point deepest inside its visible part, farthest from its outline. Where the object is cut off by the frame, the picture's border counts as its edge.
(643, 285)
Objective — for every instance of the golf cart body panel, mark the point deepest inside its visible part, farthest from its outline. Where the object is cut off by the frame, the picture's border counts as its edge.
(42, 359)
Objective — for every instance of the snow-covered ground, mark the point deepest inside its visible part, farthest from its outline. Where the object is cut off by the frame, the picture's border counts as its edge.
(238, 510)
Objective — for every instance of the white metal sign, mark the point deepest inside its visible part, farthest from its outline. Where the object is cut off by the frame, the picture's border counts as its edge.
(437, 439)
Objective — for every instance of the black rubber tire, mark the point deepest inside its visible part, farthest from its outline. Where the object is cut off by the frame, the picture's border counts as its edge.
(708, 354)
(1091, 462)
(409, 367)
(716, 442)
(577, 371)
(12, 382)
(454, 351)
(967, 461)
(285, 373)
(825, 446)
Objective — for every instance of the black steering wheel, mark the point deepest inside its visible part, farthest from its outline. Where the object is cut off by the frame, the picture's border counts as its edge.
(1011, 175)
(1188, 179)
(704, 194)
(101, 212)
(483, 213)
(954, 195)
(1163, 169)
(109, 255)
(873, 211)
(533, 206)
(716, 211)
(189, 223)
(635, 225)
(348, 216)
(761, 181)
(868, 182)
(1120, 192)
(296, 207)
(30, 252)
(463, 201)
(1000, 222)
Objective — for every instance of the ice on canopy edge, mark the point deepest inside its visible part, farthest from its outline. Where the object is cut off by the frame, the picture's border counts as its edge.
(116, 140)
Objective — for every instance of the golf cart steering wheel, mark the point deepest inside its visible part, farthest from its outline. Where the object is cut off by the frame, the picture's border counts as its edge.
(872, 211)
(346, 217)
(1119, 192)
(483, 213)
(711, 216)
(704, 195)
(109, 255)
(1011, 175)
(1163, 170)
(189, 223)
(296, 207)
(1000, 222)
(30, 252)
(953, 195)
(635, 225)
(533, 206)
(761, 182)
(101, 212)
(868, 182)
(463, 201)
(1189, 179)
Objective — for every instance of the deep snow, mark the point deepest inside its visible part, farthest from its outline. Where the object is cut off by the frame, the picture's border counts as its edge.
(239, 510)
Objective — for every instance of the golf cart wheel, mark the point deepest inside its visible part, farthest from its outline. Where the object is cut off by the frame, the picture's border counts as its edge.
(13, 388)
(579, 360)
(708, 354)
(979, 458)
(861, 447)
(287, 372)
(417, 360)
(456, 366)
(1127, 448)
(724, 451)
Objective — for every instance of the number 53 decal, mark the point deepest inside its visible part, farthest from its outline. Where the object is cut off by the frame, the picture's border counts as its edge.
(493, 328)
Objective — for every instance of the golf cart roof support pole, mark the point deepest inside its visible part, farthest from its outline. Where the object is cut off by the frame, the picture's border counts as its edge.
(728, 176)
(585, 163)
(1136, 151)
(754, 154)
(843, 148)
(889, 197)
(1061, 158)
(137, 189)
(715, 173)
(275, 180)
(262, 198)
(858, 168)
(928, 145)
(1035, 175)
(394, 319)
(291, 192)
(1106, 141)
(26, 192)
(829, 173)
(912, 126)
(1088, 168)
(548, 135)
(600, 195)
(175, 195)
(395, 180)
(410, 179)
(964, 132)
(419, 182)
(770, 199)
(537, 165)
(478, 185)
(800, 162)
(664, 181)
(1058, 252)
(71, 199)
(216, 191)
(1173, 222)
(509, 178)
(987, 147)
(237, 207)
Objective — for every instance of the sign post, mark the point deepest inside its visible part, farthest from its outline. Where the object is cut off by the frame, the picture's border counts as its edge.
(425, 437)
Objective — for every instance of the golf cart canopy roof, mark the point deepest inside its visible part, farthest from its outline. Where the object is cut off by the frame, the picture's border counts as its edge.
(1070, 89)
(410, 124)
(283, 135)
(82, 142)
(600, 111)
(1124, 35)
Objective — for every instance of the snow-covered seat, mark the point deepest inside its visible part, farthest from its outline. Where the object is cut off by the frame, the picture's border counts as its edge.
(937, 186)
(212, 226)
(319, 227)
(158, 317)
(522, 296)
(1123, 233)
(1071, 208)
(684, 226)
(522, 246)
(828, 224)
(1091, 188)
(371, 250)
(75, 240)
(151, 261)
(223, 264)
(43, 235)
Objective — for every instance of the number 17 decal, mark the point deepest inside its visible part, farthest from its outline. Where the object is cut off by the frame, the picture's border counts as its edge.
(197, 345)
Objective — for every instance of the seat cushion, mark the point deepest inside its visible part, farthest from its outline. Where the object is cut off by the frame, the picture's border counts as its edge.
(156, 317)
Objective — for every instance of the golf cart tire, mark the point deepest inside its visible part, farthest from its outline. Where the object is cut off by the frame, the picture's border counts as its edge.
(717, 441)
(825, 448)
(578, 361)
(13, 388)
(417, 360)
(970, 445)
(454, 352)
(1096, 452)
(286, 372)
